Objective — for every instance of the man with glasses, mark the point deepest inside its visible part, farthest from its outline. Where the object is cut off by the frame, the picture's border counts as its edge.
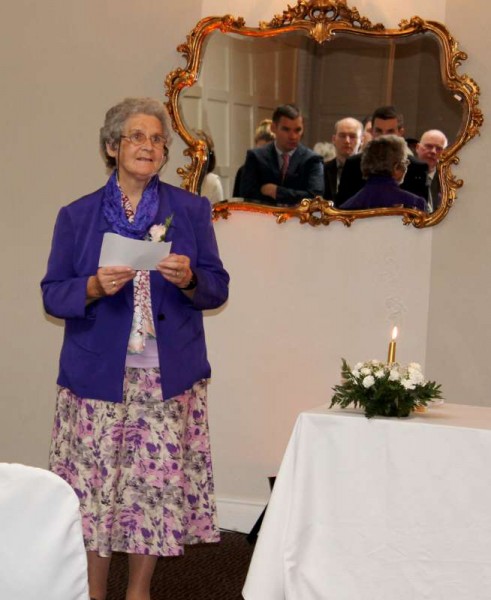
(385, 121)
(429, 149)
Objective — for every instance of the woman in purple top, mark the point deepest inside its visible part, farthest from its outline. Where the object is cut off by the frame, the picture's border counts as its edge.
(131, 431)
(384, 164)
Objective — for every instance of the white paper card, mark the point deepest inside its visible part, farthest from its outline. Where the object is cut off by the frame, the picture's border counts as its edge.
(120, 251)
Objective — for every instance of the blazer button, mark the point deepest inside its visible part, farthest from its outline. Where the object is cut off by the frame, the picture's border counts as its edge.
(161, 317)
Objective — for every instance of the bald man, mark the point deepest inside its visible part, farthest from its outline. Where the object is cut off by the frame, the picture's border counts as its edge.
(346, 140)
(429, 149)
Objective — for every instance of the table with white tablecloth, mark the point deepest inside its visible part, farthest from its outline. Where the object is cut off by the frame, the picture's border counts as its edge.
(379, 509)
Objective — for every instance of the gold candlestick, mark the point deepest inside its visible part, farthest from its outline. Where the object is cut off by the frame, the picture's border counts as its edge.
(391, 357)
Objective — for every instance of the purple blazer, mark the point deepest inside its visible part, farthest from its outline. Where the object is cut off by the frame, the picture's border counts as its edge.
(382, 191)
(93, 354)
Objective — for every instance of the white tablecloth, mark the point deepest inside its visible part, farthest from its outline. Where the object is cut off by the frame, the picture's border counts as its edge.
(382, 509)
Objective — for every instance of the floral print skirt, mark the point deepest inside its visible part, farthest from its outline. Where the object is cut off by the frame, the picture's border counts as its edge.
(141, 469)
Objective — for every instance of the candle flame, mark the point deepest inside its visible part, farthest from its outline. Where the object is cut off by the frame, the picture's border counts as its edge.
(394, 333)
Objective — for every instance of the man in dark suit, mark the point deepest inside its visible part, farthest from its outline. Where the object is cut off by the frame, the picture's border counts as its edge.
(283, 172)
(346, 140)
(385, 121)
(429, 149)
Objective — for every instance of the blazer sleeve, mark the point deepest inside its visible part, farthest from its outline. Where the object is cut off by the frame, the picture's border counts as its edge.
(329, 181)
(250, 179)
(312, 183)
(416, 179)
(213, 279)
(351, 180)
(64, 291)
(238, 179)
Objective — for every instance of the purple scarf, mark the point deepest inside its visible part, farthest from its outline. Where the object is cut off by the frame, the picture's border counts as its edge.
(146, 210)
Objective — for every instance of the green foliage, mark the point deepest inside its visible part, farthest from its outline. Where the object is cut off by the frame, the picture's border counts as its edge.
(384, 390)
(167, 225)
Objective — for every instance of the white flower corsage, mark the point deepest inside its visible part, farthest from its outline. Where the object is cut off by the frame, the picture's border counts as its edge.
(158, 231)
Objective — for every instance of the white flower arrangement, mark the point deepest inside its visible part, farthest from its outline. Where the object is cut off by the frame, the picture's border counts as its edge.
(390, 390)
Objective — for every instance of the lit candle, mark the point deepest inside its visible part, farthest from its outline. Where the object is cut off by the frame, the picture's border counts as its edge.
(392, 347)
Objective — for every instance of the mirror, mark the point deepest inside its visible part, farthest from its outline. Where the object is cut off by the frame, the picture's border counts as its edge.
(333, 63)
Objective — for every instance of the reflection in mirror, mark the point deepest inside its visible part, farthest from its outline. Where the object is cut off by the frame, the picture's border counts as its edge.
(243, 74)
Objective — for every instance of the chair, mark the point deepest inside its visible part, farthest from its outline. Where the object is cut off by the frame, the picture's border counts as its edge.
(42, 555)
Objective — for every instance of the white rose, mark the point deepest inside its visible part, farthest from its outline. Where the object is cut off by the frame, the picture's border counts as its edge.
(379, 374)
(368, 381)
(355, 373)
(365, 371)
(358, 366)
(394, 375)
(157, 232)
(415, 376)
(414, 365)
(408, 384)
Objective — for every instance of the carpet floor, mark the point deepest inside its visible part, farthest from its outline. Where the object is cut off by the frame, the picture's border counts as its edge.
(205, 572)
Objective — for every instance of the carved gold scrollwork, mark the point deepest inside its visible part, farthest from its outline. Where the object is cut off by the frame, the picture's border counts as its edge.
(321, 19)
(321, 12)
(320, 212)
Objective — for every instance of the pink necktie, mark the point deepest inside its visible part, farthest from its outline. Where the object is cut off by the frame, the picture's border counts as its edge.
(284, 167)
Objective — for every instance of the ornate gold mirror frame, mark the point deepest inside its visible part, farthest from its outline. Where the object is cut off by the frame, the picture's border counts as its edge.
(321, 20)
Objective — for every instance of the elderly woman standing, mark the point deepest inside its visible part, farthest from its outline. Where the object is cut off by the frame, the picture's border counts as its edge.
(130, 433)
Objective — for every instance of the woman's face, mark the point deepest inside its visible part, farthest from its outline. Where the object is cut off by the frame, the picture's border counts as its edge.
(139, 162)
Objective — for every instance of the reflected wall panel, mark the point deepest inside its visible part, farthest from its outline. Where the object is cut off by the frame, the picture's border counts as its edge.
(193, 109)
(348, 84)
(241, 66)
(216, 69)
(286, 75)
(242, 118)
(218, 121)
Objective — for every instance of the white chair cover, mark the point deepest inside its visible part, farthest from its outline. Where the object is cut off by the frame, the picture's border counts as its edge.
(42, 555)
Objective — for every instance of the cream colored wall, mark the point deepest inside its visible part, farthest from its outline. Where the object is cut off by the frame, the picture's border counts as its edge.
(300, 298)
(63, 64)
(459, 334)
(382, 11)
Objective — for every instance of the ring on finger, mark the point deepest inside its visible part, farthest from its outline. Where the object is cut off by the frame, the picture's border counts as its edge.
(113, 283)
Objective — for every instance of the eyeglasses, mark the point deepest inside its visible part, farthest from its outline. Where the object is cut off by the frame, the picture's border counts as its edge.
(438, 149)
(138, 138)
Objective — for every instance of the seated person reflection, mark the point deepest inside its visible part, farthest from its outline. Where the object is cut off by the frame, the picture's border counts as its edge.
(262, 136)
(385, 121)
(283, 172)
(367, 131)
(211, 186)
(346, 139)
(412, 144)
(384, 163)
(429, 149)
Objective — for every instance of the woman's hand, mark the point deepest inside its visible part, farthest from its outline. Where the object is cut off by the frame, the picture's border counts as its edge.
(108, 281)
(176, 269)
